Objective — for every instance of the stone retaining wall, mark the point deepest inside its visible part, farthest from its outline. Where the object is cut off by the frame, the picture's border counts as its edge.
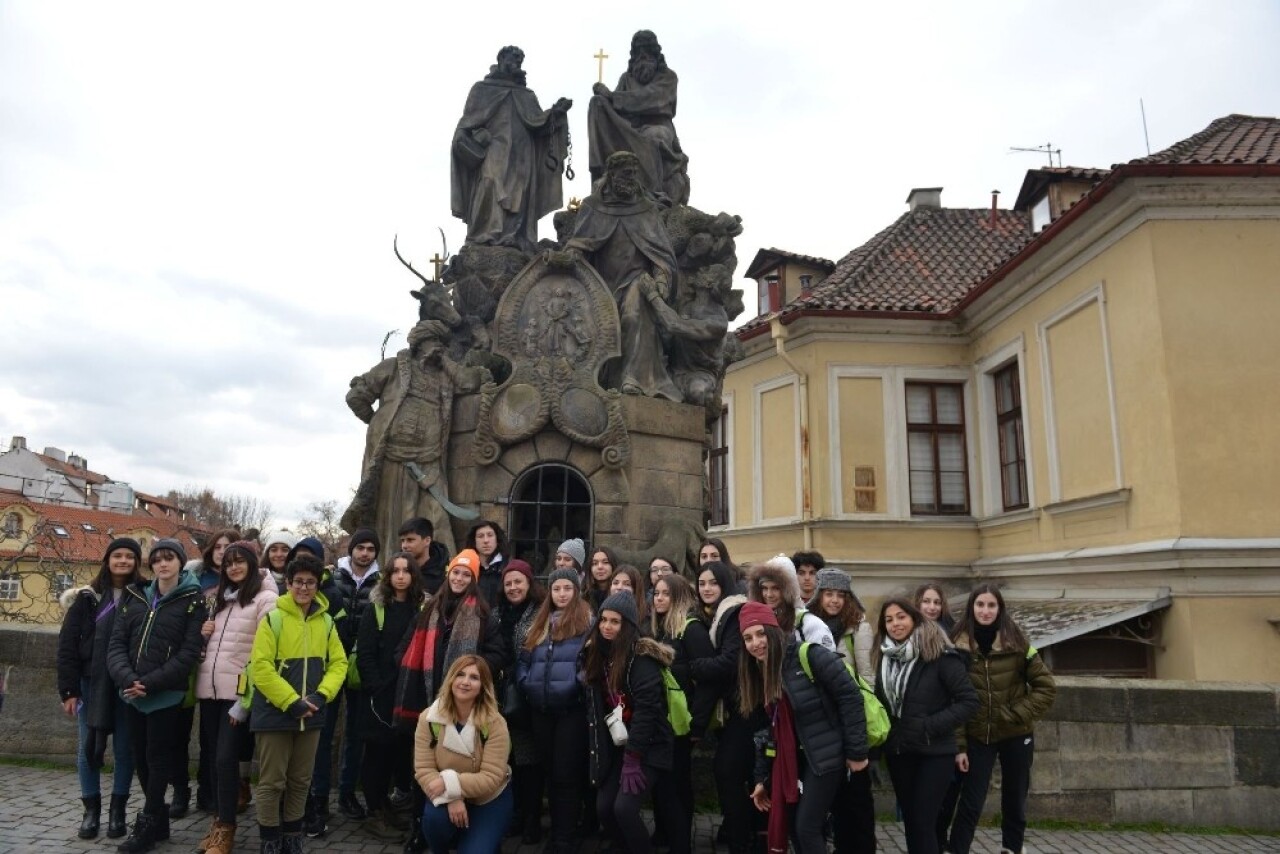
(1112, 750)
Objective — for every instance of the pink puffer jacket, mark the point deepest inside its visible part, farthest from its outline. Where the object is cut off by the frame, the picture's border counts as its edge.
(228, 648)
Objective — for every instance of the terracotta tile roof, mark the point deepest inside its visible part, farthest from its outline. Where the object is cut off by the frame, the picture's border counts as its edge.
(767, 258)
(1230, 139)
(86, 544)
(925, 262)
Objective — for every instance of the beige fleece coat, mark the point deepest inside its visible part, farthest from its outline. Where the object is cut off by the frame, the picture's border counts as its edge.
(474, 768)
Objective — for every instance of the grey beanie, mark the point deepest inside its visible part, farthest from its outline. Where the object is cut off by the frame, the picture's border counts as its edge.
(837, 579)
(565, 574)
(575, 549)
(623, 604)
(169, 544)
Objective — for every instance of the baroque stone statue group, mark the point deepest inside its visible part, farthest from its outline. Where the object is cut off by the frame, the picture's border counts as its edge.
(633, 297)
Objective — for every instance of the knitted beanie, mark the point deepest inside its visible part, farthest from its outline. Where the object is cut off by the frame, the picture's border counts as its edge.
(517, 565)
(170, 544)
(756, 614)
(467, 559)
(575, 549)
(565, 574)
(364, 535)
(624, 605)
(834, 579)
(128, 543)
(279, 538)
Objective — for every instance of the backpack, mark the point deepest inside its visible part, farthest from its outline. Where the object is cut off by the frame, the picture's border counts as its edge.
(353, 669)
(677, 704)
(873, 709)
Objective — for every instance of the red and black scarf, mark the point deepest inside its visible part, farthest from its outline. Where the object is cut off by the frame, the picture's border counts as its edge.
(416, 682)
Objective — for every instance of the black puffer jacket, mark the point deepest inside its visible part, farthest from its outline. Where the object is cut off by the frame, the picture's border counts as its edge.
(75, 639)
(159, 646)
(827, 710)
(939, 699)
(490, 581)
(355, 599)
(718, 673)
(649, 733)
(692, 644)
(376, 658)
(434, 570)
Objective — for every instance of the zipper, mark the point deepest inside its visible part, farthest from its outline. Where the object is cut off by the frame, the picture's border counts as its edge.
(986, 664)
(306, 655)
(213, 671)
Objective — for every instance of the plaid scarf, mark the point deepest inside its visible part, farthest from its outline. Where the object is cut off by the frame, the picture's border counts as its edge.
(416, 681)
(897, 660)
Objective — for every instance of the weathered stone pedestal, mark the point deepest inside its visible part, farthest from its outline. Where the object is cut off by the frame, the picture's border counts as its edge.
(656, 495)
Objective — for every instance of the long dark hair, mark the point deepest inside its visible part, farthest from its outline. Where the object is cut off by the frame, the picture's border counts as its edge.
(245, 590)
(612, 557)
(102, 581)
(206, 555)
(720, 547)
(387, 592)
(611, 662)
(931, 640)
(684, 602)
(1011, 635)
(760, 682)
(724, 576)
(446, 602)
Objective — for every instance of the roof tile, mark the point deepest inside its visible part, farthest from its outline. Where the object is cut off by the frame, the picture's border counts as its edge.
(1231, 139)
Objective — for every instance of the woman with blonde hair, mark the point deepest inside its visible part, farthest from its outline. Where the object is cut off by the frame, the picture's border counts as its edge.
(460, 761)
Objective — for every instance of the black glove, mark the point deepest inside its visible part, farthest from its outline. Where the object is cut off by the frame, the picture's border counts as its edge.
(299, 708)
(318, 701)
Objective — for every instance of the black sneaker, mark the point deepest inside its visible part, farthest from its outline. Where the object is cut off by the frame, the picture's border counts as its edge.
(350, 806)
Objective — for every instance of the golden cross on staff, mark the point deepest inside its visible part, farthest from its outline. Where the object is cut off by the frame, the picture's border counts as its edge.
(600, 58)
(439, 262)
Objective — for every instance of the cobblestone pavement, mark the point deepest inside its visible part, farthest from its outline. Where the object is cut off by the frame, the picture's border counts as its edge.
(40, 811)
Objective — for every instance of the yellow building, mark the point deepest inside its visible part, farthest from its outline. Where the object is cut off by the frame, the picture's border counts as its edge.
(1077, 398)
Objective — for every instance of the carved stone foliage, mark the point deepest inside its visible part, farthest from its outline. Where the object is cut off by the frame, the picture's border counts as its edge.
(557, 324)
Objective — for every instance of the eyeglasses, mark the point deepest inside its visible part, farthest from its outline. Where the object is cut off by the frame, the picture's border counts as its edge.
(304, 583)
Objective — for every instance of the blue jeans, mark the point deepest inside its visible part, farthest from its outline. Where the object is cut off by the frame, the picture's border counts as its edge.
(488, 825)
(349, 771)
(121, 748)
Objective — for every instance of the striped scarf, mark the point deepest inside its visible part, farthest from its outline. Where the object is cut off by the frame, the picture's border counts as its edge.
(896, 663)
(416, 682)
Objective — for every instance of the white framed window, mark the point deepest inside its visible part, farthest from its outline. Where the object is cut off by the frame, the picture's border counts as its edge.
(62, 582)
(10, 587)
(61, 531)
(12, 524)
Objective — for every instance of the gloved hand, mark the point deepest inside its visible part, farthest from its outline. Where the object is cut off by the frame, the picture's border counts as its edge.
(318, 701)
(633, 781)
(299, 709)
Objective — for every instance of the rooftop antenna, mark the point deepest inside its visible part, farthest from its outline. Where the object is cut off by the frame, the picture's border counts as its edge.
(1047, 148)
(1145, 137)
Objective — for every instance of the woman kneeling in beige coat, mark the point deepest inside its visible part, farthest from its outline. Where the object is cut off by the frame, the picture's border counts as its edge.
(460, 760)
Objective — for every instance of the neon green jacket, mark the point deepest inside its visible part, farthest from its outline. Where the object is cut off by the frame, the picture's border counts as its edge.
(307, 658)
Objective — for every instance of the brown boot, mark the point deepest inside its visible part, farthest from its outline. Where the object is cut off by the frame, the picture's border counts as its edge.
(223, 838)
(246, 795)
(207, 841)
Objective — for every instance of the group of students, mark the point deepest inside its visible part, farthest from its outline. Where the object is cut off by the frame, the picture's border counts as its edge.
(476, 695)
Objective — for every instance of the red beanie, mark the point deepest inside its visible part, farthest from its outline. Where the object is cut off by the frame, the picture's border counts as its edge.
(520, 566)
(756, 614)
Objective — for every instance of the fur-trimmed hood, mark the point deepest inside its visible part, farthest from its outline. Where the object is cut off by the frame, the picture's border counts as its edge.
(69, 595)
(776, 570)
(659, 652)
(727, 605)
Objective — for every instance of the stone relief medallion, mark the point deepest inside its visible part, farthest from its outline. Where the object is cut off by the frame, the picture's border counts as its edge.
(557, 324)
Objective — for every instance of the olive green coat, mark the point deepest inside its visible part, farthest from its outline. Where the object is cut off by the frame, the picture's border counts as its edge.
(1015, 689)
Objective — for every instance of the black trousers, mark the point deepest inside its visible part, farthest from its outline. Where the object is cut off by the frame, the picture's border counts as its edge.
(1015, 755)
(156, 739)
(226, 744)
(948, 811)
(920, 782)
(818, 792)
(562, 745)
(853, 814)
(528, 781)
(732, 766)
(673, 800)
(620, 813)
(388, 757)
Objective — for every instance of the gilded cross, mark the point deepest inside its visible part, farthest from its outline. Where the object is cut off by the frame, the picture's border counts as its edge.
(439, 262)
(600, 58)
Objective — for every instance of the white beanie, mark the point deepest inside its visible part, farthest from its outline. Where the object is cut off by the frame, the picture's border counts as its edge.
(278, 538)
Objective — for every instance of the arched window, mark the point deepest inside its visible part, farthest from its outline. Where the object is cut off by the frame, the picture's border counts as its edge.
(549, 504)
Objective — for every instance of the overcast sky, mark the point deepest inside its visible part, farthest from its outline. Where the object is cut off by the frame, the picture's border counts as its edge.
(197, 203)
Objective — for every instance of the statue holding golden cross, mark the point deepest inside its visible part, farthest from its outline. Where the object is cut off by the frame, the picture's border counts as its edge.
(600, 58)
(439, 264)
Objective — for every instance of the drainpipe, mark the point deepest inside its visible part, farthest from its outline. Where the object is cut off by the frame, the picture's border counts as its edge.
(779, 335)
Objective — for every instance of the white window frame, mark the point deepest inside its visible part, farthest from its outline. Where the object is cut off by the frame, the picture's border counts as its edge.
(985, 370)
(10, 588)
